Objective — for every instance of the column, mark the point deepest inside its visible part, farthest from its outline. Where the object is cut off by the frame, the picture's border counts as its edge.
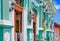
(40, 24)
(37, 23)
(24, 24)
(52, 21)
(24, 20)
(40, 16)
(48, 27)
(30, 35)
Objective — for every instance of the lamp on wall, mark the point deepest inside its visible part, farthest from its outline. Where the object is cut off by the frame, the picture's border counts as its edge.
(11, 6)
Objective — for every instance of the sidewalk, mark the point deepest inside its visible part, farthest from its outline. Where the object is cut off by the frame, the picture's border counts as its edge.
(57, 40)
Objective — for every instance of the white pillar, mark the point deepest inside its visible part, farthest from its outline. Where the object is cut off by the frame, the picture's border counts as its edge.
(37, 24)
(12, 34)
(11, 19)
(24, 24)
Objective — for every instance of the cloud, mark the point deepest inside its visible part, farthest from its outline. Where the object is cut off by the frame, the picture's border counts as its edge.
(57, 6)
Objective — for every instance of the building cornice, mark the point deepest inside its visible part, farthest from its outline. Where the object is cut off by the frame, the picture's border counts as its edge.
(18, 8)
(5, 22)
(30, 27)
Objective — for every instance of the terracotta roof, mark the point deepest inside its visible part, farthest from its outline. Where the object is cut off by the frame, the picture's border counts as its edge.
(56, 25)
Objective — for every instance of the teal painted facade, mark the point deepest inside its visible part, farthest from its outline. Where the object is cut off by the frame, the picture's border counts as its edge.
(5, 14)
(5, 31)
(0, 9)
(30, 6)
(4, 11)
(29, 35)
(40, 6)
(1, 34)
(5, 25)
(40, 14)
(41, 35)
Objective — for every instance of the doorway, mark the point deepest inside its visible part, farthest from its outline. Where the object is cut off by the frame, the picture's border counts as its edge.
(18, 25)
(34, 25)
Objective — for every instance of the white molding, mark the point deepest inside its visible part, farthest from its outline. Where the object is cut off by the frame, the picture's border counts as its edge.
(48, 30)
(12, 34)
(52, 30)
(29, 27)
(40, 28)
(37, 26)
(5, 22)
(41, 4)
(11, 17)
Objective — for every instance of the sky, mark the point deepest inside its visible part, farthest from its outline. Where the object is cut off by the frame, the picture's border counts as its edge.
(57, 15)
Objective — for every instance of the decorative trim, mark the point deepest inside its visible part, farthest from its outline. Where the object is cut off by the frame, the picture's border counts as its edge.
(40, 28)
(48, 30)
(52, 30)
(29, 27)
(17, 7)
(5, 22)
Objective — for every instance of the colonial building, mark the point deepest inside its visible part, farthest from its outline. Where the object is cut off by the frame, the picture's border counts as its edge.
(5, 23)
(31, 19)
(57, 32)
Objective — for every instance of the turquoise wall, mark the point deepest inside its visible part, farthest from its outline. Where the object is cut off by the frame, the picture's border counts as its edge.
(4, 9)
(40, 35)
(29, 9)
(0, 9)
(38, 1)
(5, 13)
(29, 4)
(7, 30)
(1, 34)
(3, 30)
(24, 3)
(47, 36)
(40, 18)
(28, 34)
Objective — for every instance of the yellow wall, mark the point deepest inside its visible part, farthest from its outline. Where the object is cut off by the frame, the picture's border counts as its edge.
(58, 30)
